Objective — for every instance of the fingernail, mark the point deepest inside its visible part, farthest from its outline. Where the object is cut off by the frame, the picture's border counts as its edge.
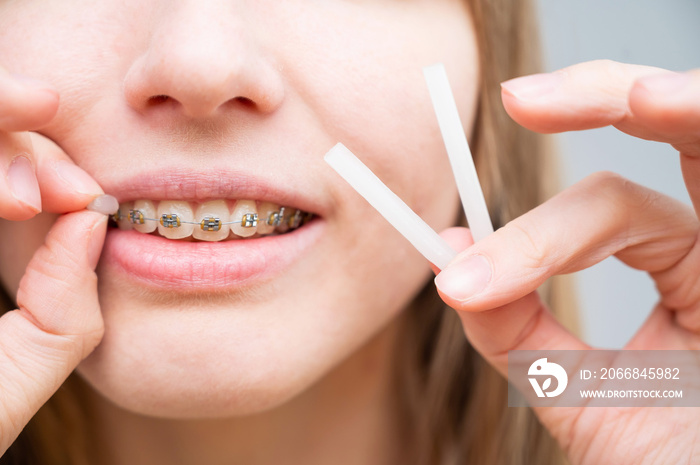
(77, 179)
(465, 279)
(666, 83)
(23, 183)
(532, 87)
(96, 242)
(105, 204)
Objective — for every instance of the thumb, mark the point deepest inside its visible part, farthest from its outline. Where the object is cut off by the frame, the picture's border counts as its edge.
(58, 322)
(523, 323)
(458, 238)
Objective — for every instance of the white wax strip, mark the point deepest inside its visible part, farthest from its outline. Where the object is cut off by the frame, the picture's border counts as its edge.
(458, 150)
(390, 206)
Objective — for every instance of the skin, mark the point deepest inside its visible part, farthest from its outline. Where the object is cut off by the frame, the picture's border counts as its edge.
(219, 374)
(646, 230)
(59, 321)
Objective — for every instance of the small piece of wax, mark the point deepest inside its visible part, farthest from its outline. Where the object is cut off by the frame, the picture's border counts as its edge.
(458, 150)
(390, 206)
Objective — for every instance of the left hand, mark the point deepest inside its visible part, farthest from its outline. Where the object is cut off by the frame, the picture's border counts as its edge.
(492, 284)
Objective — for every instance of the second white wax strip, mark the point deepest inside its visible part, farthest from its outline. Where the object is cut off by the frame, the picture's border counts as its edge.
(391, 207)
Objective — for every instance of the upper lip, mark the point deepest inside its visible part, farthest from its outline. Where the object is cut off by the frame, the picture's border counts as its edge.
(212, 184)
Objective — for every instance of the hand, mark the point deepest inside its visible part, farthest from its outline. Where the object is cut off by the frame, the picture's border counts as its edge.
(58, 322)
(492, 284)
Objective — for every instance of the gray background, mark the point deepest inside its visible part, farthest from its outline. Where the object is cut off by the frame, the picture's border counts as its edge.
(616, 299)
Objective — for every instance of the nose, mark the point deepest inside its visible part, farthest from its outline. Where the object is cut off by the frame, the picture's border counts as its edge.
(201, 59)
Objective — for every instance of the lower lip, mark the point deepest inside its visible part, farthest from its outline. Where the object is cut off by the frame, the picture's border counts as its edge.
(171, 265)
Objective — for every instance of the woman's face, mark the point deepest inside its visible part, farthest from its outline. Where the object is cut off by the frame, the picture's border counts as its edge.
(196, 101)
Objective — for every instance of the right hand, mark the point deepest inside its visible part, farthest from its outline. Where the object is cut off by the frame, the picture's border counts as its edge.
(58, 322)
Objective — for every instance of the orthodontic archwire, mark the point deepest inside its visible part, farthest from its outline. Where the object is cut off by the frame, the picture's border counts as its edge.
(213, 223)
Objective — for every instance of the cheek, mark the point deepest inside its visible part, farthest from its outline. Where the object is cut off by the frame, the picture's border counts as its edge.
(369, 92)
(20, 239)
(81, 48)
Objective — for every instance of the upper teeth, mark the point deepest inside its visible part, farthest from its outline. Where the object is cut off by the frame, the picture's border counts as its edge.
(214, 220)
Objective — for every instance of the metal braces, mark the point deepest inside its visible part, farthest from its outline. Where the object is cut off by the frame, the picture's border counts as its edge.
(295, 219)
(213, 223)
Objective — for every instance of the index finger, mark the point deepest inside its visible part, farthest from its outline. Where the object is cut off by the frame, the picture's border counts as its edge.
(642, 101)
(646, 102)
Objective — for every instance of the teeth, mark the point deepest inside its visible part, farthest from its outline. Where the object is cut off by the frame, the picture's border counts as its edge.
(212, 210)
(284, 224)
(124, 223)
(295, 218)
(267, 213)
(148, 210)
(246, 212)
(211, 221)
(175, 219)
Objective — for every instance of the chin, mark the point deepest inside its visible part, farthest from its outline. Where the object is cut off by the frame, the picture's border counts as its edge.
(146, 387)
(179, 365)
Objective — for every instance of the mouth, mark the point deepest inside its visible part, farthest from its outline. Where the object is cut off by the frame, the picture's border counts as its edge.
(185, 232)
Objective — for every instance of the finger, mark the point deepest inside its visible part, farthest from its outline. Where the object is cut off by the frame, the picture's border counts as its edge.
(601, 216)
(39, 176)
(521, 324)
(57, 324)
(25, 104)
(524, 324)
(669, 104)
(493, 283)
(20, 195)
(46, 179)
(584, 96)
(642, 101)
(639, 100)
(65, 186)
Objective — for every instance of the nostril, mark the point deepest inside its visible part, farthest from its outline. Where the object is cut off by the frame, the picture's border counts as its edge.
(157, 99)
(245, 101)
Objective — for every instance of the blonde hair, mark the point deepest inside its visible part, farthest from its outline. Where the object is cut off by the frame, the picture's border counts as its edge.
(451, 402)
